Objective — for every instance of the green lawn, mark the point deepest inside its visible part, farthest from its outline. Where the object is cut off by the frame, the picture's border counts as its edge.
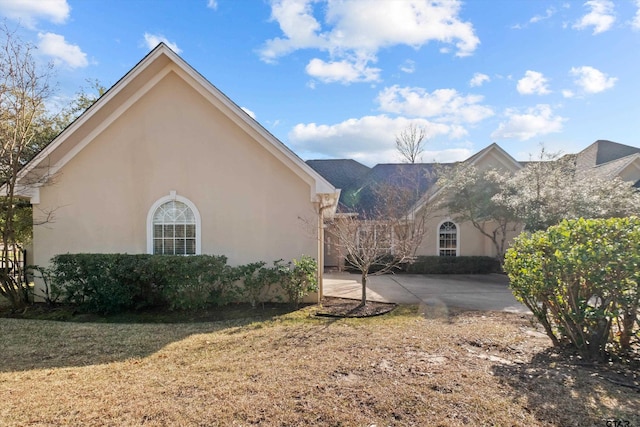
(405, 368)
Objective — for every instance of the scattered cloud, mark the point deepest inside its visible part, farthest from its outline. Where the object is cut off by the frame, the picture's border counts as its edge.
(212, 4)
(55, 46)
(360, 28)
(635, 23)
(152, 40)
(548, 14)
(535, 121)
(533, 83)
(249, 112)
(28, 12)
(479, 79)
(408, 66)
(343, 71)
(568, 93)
(592, 80)
(369, 139)
(535, 19)
(601, 16)
(442, 105)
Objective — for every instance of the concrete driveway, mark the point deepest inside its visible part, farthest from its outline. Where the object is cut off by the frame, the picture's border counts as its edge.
(473, 291)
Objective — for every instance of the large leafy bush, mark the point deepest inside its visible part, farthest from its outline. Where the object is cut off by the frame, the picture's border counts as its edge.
(581, 279)
(110, 283)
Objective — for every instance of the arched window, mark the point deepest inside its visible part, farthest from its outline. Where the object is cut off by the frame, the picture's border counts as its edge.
(448, 239)
(173, 227)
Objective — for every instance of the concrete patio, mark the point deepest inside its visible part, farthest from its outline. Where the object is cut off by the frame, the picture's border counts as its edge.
(474, 291)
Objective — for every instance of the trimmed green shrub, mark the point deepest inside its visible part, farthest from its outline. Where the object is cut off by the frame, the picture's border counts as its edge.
(297, 278)
(581, 279)
(256, 281)
(109, 283)
(452, 265)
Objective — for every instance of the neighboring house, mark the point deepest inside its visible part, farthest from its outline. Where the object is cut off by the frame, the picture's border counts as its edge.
(608, 159)
(444, 235)
(165, 163)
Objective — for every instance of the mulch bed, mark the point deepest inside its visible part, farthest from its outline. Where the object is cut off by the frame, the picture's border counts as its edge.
(343, 307)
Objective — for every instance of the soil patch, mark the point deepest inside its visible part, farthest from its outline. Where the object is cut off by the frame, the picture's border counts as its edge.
(343, 307)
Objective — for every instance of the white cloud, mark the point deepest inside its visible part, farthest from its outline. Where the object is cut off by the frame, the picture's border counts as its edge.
(568, 93)
(532, 83)
(343, 71)
(548, 14)
(479, 79)
(601, 17)
(212, 4)
(369, 139)
(249, 112)
(444, 105)
(408, 66)
(30, 11)
(56, 46)
(536, 121)
(635, 23)
(152, 40)
(359, 28)
(591, 80)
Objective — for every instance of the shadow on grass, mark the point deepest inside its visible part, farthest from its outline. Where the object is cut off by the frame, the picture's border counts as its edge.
(559, 390)
(81, 340)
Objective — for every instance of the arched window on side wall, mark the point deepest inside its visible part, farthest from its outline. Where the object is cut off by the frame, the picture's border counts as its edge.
(173, 227)
(448, 239)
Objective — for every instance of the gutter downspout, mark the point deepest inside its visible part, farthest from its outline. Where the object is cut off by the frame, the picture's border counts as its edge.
(320, 274)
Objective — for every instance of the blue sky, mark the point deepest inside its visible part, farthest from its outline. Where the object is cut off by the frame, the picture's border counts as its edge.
(342, 78)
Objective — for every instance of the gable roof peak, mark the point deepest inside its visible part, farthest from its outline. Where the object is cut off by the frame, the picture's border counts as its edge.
(603, 151)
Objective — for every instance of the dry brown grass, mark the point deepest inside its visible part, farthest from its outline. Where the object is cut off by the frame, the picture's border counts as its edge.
(399, 369)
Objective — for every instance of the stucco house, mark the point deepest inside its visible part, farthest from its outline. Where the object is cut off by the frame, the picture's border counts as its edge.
(444, 235)
(165, 163)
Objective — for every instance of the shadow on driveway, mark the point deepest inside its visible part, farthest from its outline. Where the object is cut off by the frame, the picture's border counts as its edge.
(488, 292)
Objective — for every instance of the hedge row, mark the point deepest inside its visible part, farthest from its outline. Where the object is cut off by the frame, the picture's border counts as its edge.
(109, 283)
(442, 265)
(453, 265)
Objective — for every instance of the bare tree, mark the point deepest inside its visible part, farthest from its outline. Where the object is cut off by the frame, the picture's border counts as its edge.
(23, 92)
(381, 240)
(410, 143)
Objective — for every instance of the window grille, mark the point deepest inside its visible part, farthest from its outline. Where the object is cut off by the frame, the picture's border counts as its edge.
(174, 229)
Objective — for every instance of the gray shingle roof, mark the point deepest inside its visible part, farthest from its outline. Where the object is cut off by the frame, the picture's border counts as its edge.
(603, 151)
(358, 182)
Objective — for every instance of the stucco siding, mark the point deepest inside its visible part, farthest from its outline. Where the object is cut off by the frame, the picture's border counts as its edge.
(173, 139)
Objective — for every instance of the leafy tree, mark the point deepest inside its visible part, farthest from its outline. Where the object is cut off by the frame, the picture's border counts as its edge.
(550, 189)
(581, 280)
(468, 194)
(542, 193)
(23, 92)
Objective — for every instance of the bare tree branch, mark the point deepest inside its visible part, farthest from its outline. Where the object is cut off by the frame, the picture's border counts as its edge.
(410, 143)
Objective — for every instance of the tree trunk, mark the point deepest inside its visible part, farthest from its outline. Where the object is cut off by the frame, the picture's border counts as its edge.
(363, 301)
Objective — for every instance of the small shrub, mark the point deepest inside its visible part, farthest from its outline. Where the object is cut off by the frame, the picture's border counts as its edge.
(257, 280)
(581, 279)
(297, 278)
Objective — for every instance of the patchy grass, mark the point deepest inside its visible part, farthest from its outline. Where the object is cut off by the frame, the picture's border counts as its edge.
(402, 368)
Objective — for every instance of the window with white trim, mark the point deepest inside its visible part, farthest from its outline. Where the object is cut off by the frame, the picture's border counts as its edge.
(448, 239)
(173, 226)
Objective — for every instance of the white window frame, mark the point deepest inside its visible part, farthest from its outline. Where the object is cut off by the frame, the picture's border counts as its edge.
(173, 197)
(438, 248)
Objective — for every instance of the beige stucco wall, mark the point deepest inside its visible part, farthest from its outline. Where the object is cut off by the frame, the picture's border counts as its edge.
(471, 242)
(173, 139)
